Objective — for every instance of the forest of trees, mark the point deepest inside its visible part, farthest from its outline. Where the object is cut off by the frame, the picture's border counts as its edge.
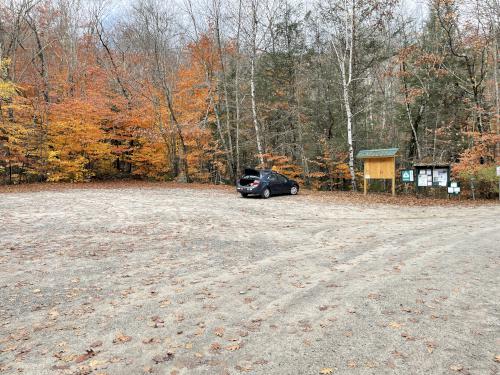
(191, 90)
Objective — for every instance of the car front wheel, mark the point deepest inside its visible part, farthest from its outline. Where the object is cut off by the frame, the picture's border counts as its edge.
(294, 190)
(266, 193)
(244, 195)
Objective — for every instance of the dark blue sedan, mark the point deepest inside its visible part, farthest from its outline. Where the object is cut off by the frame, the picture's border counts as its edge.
(265, 183)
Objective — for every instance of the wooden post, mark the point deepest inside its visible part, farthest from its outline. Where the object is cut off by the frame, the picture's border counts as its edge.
(364, 184)
(394, 179)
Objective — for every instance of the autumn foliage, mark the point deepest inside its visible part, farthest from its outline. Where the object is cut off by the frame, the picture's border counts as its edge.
(87, 94)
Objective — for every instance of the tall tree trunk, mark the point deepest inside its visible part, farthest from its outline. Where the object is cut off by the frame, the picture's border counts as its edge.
(414, 139)
(252, 82)
(183, 165)
(226, 98)
(237, 90)
(348, 111)
(497, 94)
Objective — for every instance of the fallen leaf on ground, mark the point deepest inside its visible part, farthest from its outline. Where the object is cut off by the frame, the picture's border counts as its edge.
(151, 340)
(395, 325)
(215, 347)
(326, 371)
(497, 358)
(97, 362)
(430, 346)
(232, 348)
(121, 338)
(456, 368)
(163, 357)
(219, 331)
(89, 354)
(407, 336)
(165, 303)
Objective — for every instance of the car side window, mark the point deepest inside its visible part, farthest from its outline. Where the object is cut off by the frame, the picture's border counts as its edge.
(282, 179)
(273, 177)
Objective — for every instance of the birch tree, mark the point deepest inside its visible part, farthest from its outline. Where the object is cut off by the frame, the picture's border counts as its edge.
(350, 25)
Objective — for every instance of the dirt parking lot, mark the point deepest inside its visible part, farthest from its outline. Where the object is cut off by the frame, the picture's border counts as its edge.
(188, 281)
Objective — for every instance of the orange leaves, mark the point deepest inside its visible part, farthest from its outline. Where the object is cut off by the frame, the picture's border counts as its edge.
(121, 338)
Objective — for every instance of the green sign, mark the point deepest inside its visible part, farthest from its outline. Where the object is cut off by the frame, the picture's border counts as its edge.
(407, 175)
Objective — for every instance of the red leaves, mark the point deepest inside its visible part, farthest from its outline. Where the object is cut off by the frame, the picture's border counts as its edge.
(89, 354)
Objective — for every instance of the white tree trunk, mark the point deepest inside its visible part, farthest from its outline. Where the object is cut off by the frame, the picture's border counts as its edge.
(348, 112)
(252, 82)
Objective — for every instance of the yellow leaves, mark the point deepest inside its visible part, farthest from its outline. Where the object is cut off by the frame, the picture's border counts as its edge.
(395, 325)
(326, 371)
(7, 88)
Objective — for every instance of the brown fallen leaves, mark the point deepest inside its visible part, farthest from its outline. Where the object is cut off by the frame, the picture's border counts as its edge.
(215, 347)
(163, 357)
(121, 338)
(151, 340)
(156, 322)
(219, 331)
(326, 371)
(89, 354)
(233, 348)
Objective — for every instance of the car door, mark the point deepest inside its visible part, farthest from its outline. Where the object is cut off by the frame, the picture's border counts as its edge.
(283, 184)
(274, 184)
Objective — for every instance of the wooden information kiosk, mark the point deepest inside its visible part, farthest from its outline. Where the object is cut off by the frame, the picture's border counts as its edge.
(379, 164)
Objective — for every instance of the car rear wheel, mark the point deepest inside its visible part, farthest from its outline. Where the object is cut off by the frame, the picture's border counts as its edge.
(244, 195)
(294, 190)
(266, 193)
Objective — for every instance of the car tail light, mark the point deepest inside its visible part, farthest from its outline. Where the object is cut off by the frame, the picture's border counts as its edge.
(255, 183)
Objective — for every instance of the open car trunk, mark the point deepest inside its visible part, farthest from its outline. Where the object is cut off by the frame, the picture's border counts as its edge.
(250, 176)
(248, 172)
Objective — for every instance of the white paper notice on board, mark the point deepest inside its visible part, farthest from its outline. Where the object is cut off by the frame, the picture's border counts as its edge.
(498, 171)
(440, 176)
(422, 180)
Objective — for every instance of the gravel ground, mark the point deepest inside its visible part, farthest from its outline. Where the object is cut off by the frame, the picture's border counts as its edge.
(187, 281)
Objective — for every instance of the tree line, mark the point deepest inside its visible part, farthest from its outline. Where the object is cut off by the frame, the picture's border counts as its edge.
(197, 90)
